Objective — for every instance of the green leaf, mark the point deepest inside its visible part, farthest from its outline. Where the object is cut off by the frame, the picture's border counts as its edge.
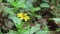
(27, 32)
(37, 16)
(11, 1)
(12, 32)
(0, 0)
(46, 27)
(16, 21)
(42, 32)
(23, 31)
(29, 4)
(55, 19)
(58, 30)
(44, 5)
(0, 32)
(38, 8)
(59, 14)
(9, 11)
(35, 29)
(45, 0)
(53, 1)
(20, 4)
(33, 10)
(58, 6)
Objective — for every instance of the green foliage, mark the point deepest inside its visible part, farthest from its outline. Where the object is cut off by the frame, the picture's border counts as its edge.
(58, 6)
(24, 5)
(17, 4)
(35, 29)
(46, 27)
(44, 5)
(45, 0)
(33, 10)
(12, 32)
(0, 32)
(53, 1)
(16, 21)
(23, 27)
(0, 0)
(29, 4)
(10, 1)
(9, 11)
(58, 30)
(42, 32)
(55, 19)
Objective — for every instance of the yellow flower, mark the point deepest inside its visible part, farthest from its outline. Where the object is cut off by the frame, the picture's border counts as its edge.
(23, 16)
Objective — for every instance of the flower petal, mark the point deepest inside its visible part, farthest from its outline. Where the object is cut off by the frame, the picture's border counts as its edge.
(25, 19)
(23, 16)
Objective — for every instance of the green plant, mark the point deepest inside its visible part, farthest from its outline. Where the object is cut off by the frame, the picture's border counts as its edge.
(22, 13)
